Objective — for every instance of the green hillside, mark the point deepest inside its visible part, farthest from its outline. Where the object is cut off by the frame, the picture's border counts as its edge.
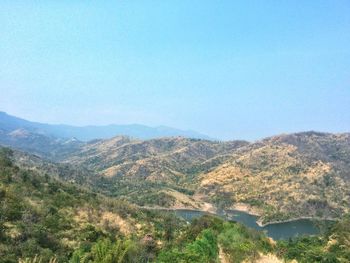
(42, 216)
(46, 220)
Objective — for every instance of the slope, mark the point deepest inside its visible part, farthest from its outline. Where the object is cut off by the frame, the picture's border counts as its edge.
(283, 177)
(43, 216)
(153, 172)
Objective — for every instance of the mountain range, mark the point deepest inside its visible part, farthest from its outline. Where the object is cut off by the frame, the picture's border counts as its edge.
(10, 123)
(282, 177)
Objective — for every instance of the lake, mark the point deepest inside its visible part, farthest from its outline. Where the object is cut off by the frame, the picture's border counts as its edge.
(276, 231)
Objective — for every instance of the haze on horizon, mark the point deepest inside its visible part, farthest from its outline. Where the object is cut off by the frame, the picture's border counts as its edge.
(241, 70)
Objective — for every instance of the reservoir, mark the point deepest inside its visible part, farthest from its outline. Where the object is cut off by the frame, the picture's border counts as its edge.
(283, 230)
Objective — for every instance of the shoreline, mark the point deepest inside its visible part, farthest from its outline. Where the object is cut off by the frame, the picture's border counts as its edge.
(256, 212)
(296, 219)
(249, 212)
(246, 209)
(177, 209)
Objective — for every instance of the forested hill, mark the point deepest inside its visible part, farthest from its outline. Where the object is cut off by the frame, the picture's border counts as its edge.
(310, 168)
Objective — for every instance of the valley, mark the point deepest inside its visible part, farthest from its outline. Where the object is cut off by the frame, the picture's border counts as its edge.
(287, 185)
(310, 170)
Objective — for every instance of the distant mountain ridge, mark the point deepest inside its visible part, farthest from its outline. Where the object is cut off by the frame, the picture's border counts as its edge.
(10, 123)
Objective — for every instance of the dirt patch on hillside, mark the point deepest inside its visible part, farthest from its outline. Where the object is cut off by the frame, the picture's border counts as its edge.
(246, 208)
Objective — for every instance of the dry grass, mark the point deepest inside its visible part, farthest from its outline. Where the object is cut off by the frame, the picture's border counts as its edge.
(104, 220)
(278, 177)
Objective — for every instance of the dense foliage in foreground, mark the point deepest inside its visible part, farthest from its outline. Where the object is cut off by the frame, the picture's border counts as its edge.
(198, 242)
(41, 216)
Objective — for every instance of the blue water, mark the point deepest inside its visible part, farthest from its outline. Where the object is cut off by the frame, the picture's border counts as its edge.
(276, 231)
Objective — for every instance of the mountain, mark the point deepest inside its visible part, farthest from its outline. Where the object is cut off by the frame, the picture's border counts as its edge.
(281, 177)
(153, 172)
(155, 159)
(10, 123)
(287, 176)
(43, 145)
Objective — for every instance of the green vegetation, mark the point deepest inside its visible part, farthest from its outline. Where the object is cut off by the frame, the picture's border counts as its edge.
(197, 242)
(142, 193)
(34, 214)
(107, 251)
(200, 242)
(332, 246)
(240, 243)
(203, 249)
(41, 216)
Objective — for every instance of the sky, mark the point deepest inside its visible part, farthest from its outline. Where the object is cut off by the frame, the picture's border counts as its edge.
(229, 69)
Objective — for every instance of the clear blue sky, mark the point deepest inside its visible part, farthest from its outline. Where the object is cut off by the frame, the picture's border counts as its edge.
(230, 69)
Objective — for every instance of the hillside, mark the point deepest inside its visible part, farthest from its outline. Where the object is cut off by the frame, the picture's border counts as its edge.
(44, 216)
(46, 220)
(43, 145)
(157, 159)
(310, 169)
(279, 178)
(287, 176)
(153, 172)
